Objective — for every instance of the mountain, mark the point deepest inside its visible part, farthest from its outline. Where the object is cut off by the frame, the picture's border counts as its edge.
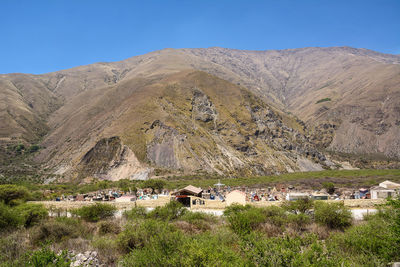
(214, 110)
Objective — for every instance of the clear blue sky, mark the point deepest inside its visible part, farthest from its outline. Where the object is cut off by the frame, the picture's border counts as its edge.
(43, 36)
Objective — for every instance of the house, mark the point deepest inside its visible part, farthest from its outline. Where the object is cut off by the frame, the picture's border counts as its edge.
(296, 196)
(237, 197)
(384, 190)
(184, 195)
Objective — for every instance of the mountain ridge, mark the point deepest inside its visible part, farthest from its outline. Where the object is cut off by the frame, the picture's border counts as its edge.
(346, 97)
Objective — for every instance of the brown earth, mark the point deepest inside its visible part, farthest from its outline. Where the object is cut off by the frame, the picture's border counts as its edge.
(210, 110)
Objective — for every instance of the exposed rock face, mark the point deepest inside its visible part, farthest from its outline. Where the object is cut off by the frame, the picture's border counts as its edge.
(110, 159)
(161, 150)
(202, 108)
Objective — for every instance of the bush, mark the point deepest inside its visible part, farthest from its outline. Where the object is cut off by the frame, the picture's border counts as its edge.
(175, 249)
(299, 221)
(9, 218)
(31, 214)
(170, 211)
(242, 222)
(198, 220)
(13, 194)
(286, 251)
(372, 240)
(329, 186)
(96, 212)
(46, 257)
(109, 227)
(57, 230)
(139, 235)
(333, 215)
(12, 247)
(135, 213)
(304, 205)
(235, 208)
(33, 148)
(323, 100)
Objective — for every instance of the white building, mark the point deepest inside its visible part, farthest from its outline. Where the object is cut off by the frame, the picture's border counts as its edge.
(384, 190)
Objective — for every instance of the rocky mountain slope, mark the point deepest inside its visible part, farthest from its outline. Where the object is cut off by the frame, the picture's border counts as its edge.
(209, 110)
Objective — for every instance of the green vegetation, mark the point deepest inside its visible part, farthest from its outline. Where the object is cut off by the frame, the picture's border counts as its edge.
(364, 177)
(300, 233)
(329, 186)
(333, 215)
(13, 194)
(323, 100)
(96, 212)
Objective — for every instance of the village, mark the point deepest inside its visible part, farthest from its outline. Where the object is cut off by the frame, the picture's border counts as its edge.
(219, 196)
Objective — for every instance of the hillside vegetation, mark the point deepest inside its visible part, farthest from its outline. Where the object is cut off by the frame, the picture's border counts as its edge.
(300, 233)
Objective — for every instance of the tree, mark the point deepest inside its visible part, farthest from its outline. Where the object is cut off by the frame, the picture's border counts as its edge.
(329, 186)
(9, 193)
(154, 184)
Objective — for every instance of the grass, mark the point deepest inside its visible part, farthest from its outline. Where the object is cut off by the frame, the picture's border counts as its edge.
(364, 176)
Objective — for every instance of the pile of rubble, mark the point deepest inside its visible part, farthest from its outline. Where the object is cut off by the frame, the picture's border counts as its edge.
(87, 259)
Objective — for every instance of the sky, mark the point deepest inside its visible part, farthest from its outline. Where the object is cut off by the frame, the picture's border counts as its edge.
(43, 36)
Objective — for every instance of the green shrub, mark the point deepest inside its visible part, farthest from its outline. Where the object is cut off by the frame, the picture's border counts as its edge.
(96, 212)
(235, 208)
(9, 218)
(56, 230)
(135, 213)
(175, 249)
(154, 184)
(323, 100)
(143, 233)
(33, 148)
(13, 194)
(170, 211)
(109, 227)
(333, 215)
(275, 215)
(12, 247)
(372, 240)
(31, 214)
(299, 221)
(201, 221)
(242, 222)
(46, 257)
(329, 186)
(304, 205)
(286, 251)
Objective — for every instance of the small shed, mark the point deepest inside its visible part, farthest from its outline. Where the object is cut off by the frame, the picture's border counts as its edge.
(237, 197)
(184, 195)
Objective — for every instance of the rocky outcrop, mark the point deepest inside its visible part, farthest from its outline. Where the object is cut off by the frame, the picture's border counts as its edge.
(110, 159)
(202, 107)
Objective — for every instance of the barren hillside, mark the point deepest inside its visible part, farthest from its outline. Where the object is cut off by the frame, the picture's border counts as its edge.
(210, 110)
